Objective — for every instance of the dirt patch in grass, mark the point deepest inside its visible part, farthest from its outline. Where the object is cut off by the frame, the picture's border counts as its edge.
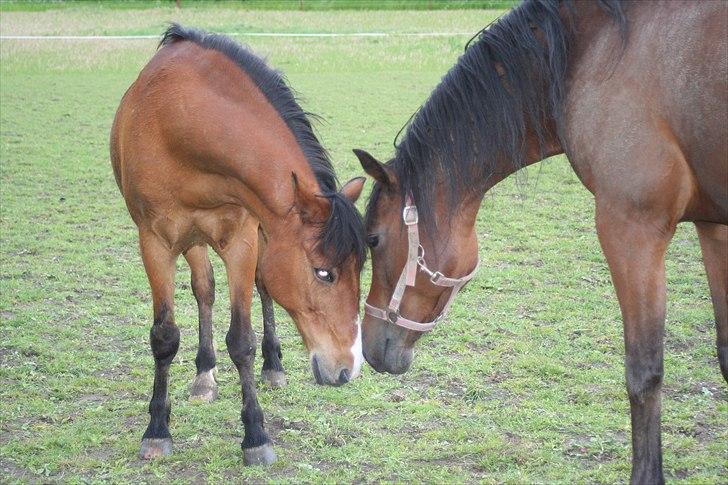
(593, 451)
(5, 354)
(15, 472)
(6, 315)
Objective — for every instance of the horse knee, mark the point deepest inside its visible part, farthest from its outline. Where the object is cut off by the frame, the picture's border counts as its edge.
(240, 343)
(164, 338)
(240, 349)
(643, 381)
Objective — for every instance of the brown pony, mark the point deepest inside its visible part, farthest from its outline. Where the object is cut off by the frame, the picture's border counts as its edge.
(636, 95)
(210, 148)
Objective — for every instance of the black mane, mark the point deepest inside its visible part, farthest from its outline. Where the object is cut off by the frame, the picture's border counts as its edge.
(475, 116)
(342, 235)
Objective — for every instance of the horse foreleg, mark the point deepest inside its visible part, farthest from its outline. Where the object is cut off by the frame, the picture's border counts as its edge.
(272, 372)
(204, 386)
(159, 264)
(240, 262)
(714, 244)
(635, 252)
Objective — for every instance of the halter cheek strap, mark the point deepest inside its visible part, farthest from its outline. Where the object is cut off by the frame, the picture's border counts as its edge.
(415, 260)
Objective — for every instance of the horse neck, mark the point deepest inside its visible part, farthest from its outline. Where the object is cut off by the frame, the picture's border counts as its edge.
(589, 17)
(533, 153)
(268, 189)
(468, 207)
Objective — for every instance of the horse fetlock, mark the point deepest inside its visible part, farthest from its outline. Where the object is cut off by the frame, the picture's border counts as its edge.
(272, 356)
(206, 359)
(160, 407)
(271, 346)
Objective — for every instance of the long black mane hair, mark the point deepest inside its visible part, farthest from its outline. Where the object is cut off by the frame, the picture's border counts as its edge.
(342, 234)
(477, 115)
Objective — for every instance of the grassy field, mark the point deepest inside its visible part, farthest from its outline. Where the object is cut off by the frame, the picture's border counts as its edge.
(524, 383)
(40, 5)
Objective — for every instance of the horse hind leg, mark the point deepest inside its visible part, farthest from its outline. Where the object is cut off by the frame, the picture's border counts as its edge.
(204, 385)
(714, 245)
(272, 373)
(159, 264)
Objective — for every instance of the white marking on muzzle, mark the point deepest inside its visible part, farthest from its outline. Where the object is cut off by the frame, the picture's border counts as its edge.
(356, 351)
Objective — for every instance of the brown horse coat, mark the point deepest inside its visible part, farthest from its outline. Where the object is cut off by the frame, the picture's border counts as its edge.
(210, 148)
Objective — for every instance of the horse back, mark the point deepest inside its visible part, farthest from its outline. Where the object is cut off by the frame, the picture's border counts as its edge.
(192, 138)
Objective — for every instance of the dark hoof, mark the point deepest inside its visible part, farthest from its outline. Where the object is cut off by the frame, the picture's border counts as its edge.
(274, 378)
(260, 455)
(204, 387)
(155, 447)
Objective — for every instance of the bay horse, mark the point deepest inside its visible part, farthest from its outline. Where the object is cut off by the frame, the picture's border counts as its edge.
(211, 149)
(636, 95)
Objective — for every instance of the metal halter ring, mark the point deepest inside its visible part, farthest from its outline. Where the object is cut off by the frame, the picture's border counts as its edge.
(410, 215)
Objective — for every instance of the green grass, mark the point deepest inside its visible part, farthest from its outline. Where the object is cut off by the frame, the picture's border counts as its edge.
(523, 383)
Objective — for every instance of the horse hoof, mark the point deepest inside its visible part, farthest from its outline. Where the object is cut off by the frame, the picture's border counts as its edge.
(155, 447)
(274, 378)
(260, 455)
(204, 387)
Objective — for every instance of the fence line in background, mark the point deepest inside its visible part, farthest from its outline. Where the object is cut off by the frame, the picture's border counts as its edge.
(239, 34)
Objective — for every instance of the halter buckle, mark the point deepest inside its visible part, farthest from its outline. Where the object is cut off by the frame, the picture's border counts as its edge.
(392, 317)
(409, 215)
(435, 277)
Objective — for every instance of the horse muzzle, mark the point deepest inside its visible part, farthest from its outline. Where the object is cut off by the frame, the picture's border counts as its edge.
(383, 348)
(329, 375)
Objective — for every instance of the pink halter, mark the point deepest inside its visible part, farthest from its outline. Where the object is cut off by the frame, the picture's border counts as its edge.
(415, 260)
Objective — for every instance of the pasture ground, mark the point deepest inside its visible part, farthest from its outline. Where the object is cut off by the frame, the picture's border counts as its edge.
(524, 383)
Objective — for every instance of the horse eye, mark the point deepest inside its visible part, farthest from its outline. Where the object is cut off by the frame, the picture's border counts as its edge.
(324, 275)
(372, 240)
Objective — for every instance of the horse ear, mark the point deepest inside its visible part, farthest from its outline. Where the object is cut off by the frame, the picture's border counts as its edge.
(352, 189)
(312, 208)
(376, 169)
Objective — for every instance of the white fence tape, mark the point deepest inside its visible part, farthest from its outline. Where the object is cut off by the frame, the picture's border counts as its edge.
(240, 34)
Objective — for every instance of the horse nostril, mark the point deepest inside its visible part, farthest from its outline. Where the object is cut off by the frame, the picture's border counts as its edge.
(344, 376)
(316, 370)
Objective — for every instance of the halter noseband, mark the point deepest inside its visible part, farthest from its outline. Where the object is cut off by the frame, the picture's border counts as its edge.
(415, 260)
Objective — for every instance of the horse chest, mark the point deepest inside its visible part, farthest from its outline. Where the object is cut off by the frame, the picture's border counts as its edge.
(219, 227)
